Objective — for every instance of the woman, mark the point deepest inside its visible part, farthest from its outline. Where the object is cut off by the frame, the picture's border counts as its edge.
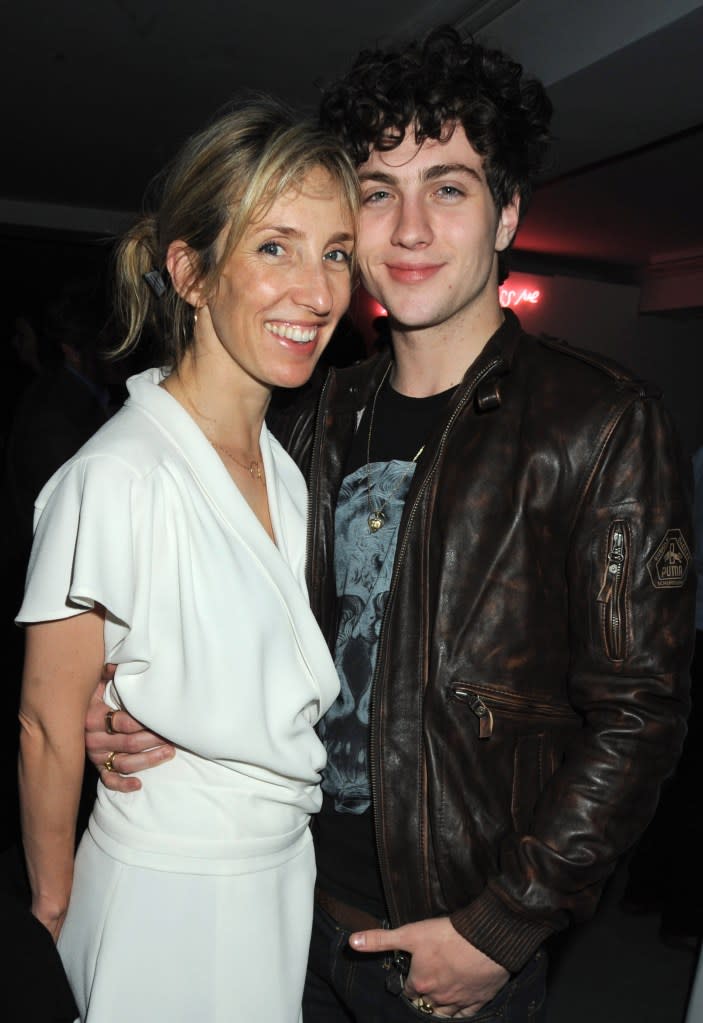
(173, 544)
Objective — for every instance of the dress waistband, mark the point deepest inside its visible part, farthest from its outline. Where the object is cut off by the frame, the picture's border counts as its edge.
(197, 856)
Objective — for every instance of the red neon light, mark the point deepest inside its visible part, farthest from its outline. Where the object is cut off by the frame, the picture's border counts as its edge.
(508, 297)
(513, 297)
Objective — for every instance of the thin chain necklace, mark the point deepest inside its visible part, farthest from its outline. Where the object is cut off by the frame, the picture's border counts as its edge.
(376, 519)
(254, 468)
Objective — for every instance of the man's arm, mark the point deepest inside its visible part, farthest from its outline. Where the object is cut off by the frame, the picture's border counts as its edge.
(136, 748)
(628, 680)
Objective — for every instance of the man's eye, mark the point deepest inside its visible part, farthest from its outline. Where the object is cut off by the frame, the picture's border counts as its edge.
(271, 248)
(377, 196)
(448, 192)
(338, 256)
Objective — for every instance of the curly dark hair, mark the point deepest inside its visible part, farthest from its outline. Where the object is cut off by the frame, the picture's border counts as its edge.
(435, 84)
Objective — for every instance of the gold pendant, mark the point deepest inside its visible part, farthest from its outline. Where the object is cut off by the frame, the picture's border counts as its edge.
(375, 521)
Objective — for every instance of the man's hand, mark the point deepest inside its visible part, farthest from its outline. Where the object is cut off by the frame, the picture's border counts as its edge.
(446, 971)
(133, 747)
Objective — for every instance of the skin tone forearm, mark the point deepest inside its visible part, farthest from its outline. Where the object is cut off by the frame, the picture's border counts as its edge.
(62, 661)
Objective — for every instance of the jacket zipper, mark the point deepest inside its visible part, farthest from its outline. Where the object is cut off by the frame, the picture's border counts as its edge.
(483, 713)
(373, 739)
(612, 591)
(314, 485)
(480, 706)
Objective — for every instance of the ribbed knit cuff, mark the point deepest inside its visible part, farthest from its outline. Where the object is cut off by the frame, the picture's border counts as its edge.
(508, 938)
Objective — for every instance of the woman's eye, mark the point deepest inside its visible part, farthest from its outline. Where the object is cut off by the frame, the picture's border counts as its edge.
(271, 248)
(338, 256)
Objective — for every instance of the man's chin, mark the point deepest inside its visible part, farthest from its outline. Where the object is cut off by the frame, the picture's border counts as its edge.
(410, 324)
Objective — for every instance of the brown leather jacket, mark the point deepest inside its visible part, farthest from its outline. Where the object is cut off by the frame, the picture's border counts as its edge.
(531, 686)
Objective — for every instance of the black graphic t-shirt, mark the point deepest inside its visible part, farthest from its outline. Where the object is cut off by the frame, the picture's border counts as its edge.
(346, 848)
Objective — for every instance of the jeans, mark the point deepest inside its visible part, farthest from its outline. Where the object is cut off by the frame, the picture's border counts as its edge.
(344, 986)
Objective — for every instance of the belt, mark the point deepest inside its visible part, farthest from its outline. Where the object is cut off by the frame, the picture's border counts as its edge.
(349, 917)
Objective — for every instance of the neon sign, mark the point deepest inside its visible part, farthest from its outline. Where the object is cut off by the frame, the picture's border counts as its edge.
(513, 297)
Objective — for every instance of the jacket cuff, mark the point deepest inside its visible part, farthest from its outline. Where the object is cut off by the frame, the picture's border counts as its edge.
(509, 939)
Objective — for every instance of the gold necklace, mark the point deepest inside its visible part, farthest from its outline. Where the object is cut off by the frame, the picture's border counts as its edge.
(376, 519)
(254, 467)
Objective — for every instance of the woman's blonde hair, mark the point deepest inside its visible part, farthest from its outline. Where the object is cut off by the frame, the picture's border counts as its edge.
(229, 173)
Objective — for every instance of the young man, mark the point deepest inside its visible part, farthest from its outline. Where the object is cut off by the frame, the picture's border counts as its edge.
(500, 559)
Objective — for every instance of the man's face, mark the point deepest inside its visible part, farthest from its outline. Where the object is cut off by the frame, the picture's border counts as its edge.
(429, 233)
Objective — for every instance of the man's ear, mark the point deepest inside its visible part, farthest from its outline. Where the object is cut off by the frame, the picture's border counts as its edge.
(182, 265)
(507, 223)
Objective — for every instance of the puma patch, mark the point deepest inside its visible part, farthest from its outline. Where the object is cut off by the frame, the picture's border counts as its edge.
(669, 565)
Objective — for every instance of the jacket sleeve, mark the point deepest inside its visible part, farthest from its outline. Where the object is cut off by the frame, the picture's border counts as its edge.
(631, 592)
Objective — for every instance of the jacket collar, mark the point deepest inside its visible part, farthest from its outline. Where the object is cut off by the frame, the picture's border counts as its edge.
(355, 385)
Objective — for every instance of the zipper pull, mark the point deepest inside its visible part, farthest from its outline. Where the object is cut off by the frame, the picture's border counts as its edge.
(483, 714)
(616, 557)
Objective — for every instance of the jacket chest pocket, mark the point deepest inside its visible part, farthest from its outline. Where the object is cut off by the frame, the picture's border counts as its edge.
(612, 596)
(487, 706)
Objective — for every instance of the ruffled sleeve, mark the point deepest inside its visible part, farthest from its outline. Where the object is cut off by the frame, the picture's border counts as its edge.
(84, 549)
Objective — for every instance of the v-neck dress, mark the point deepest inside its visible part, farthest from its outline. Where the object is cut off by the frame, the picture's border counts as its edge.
(192, 897)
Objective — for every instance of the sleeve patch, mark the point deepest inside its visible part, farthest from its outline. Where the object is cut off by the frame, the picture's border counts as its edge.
(668, 567)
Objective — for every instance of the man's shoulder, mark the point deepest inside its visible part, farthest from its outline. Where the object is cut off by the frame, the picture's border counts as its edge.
(556, 357)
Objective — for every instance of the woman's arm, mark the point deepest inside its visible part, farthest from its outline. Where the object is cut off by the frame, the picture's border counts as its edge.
(63, 660)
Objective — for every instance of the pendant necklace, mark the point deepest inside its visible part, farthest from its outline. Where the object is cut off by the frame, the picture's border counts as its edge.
(254, 468)
(376, 519)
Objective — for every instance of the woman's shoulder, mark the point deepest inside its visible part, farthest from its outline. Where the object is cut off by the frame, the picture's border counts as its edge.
(126, 449)
(130, 438)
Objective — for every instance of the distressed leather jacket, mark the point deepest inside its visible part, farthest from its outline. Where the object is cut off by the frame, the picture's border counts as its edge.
(530, 692)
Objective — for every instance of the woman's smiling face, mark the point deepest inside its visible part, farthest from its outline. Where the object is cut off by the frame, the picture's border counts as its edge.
(284, 286)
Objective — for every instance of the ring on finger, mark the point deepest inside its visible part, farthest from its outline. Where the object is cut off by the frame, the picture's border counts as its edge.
(109, 764)
(424, 1006)
(109, 727)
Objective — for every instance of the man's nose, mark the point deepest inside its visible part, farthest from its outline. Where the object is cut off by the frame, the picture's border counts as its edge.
(412, 227)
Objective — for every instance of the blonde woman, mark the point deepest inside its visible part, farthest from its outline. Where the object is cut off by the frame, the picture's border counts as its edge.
(173, 544)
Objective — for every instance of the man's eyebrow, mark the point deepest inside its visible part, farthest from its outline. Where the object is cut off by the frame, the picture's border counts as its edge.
(380, 176)
(439, 170)
(443, 170)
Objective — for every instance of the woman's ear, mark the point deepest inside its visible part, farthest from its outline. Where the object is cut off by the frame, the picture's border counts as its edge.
(182, 265)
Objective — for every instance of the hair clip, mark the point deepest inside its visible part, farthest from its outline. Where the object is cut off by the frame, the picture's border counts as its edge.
(155, 280)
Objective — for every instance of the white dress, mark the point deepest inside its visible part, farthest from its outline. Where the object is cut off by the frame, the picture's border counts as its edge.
(192, 898)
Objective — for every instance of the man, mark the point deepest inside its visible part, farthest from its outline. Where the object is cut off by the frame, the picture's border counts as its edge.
(499, 558)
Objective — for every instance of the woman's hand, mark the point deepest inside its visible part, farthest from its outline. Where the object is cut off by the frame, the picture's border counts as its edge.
(49, 915)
